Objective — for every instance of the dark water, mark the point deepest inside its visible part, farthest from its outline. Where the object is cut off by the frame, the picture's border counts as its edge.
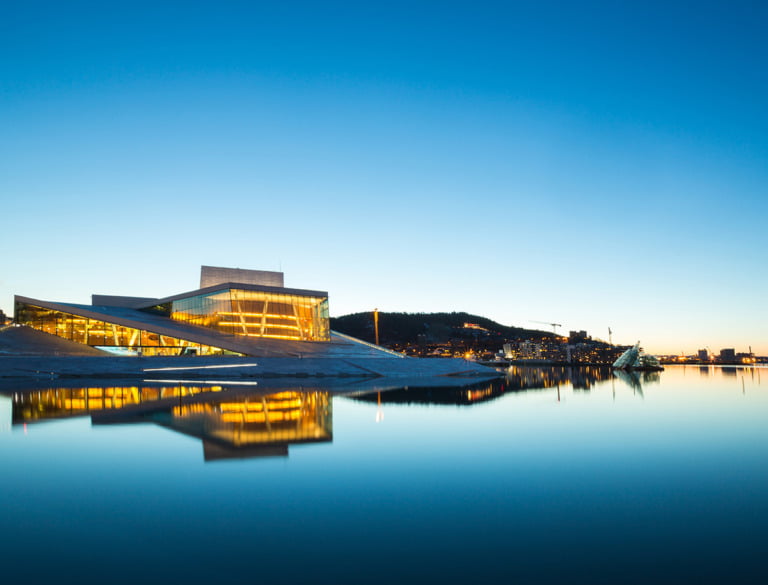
(548, 476)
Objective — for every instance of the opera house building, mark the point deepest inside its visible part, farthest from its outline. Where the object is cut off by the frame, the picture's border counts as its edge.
(235, 312)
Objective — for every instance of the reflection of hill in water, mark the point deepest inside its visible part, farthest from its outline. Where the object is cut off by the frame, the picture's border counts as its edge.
(581, 378)
(248, 420)
(517, 379)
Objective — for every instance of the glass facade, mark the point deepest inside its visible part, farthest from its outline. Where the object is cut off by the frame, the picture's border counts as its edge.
(253, 313)
(109, 336)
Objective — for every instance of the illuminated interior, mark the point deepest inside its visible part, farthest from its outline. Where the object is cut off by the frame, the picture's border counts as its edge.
(227, 317)
(254, 313)
(109, 336)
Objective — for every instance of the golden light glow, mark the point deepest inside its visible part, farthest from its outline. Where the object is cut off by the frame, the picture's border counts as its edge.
(259, 325)
(234, 312)
(109, 335)
(257, 314)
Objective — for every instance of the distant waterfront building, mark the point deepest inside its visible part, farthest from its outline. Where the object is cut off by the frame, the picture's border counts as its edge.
(703, 355)
(527, 350)
(636, 359)
(728, 355)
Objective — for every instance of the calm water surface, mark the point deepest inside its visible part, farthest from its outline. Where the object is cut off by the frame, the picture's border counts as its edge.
(547, 476)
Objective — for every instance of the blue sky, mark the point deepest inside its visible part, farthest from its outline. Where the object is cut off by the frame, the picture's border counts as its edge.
(595, 164)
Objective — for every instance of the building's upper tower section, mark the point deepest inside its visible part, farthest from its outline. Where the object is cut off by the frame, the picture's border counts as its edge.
(213, 275)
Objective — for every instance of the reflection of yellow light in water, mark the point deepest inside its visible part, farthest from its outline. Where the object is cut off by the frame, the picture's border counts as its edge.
(379, 409)
(211, 389)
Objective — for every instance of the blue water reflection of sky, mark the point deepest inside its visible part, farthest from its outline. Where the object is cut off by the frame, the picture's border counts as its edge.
(668, 486)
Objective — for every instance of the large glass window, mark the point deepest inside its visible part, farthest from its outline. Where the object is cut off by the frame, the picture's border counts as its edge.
(257, 314)
(109, 336)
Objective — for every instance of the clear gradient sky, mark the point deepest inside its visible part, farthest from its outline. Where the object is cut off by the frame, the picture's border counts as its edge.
(595, 164)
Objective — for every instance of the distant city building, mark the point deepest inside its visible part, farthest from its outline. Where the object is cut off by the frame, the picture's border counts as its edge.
(728, 355)
(703, 355)
(575, 336)
(530, 351)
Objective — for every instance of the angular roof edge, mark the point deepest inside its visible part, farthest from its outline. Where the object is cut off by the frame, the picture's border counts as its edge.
(119, 300)
(129, 317)
(238, 285)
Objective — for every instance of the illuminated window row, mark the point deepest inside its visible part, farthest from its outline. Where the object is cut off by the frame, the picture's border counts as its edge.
(110, 336)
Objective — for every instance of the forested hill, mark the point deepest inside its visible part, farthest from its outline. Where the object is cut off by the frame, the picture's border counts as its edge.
(436, 327)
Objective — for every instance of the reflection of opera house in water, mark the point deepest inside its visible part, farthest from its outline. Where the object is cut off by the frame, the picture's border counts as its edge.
(230, 424)
(239, 419)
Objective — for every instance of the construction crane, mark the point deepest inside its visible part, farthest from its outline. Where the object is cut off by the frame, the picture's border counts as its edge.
(554, 325)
